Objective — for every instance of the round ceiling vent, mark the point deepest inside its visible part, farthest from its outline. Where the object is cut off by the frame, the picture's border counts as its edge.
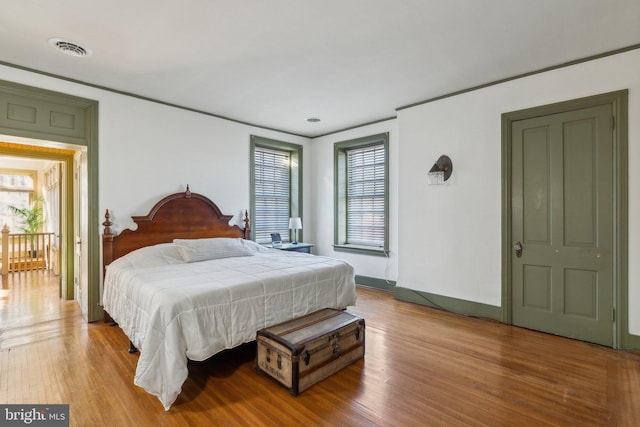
(69, 47)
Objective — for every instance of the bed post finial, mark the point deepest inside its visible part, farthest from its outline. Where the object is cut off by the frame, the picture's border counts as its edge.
(247, 222)
(107, 242)
(187, 194)
(107, 224)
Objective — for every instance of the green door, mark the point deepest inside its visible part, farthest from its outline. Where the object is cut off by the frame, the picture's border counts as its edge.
(562, 218)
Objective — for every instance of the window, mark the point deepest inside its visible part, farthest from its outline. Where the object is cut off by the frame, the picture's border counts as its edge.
(17, 188)
(361, 193)
(276, 187)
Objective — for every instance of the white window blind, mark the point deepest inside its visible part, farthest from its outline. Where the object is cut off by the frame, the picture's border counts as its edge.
(272, 193)
(366, 196)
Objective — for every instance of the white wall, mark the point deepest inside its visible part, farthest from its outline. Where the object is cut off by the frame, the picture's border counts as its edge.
(169, 148)
(449, 236)
(148, 150)
(444, 240)
(323, 201)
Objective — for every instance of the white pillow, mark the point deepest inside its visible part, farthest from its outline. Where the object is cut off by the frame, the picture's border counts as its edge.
(153, 256)
(254, 247)
(193, 250)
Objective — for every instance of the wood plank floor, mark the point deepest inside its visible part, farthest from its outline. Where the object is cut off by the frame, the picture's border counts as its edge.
(422, 367)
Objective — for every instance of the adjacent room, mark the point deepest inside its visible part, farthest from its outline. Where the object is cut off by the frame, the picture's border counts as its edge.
(456, 180)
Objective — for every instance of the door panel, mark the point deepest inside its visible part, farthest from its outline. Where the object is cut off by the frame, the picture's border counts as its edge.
(536, 285)
(536, 185)
(579, 183)
(562, 212)
(580, 293)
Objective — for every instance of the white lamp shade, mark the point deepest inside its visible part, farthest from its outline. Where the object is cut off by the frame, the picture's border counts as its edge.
(295, 223)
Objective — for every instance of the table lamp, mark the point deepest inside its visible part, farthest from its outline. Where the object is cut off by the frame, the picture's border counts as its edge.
(295, 224)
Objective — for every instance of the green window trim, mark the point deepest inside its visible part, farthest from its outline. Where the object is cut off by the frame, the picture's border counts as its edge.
(341, 214)
(295, 179)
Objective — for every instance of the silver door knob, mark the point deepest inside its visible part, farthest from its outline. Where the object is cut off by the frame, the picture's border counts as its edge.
(518, 248)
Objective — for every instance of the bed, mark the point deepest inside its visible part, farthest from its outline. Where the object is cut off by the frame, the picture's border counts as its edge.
(186, 285)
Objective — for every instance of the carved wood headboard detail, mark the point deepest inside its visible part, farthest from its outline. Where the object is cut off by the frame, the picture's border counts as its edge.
(178, 216)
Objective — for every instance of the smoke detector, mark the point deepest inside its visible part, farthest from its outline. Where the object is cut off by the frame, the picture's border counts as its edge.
(70, 47)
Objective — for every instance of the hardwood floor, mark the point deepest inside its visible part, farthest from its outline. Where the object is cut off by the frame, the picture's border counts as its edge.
(422, 367)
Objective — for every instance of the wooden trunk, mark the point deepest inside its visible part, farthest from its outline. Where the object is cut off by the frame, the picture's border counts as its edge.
(303, 351)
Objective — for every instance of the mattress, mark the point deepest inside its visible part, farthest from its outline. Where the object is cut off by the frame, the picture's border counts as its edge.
(173, 310)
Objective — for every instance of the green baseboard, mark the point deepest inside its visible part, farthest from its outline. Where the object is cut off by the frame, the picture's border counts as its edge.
(630, 342)
(476, 309)
(455, 305)
(468, 308)
(372, 282)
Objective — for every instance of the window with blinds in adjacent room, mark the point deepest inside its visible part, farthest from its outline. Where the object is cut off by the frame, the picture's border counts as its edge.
(276, 189)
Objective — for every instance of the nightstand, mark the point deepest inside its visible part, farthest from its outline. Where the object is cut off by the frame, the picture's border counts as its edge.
(298, 247)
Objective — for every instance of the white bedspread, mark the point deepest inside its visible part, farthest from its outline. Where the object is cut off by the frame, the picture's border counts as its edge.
(172, 310)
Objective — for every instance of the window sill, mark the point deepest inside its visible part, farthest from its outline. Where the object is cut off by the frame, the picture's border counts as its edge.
(363, 250)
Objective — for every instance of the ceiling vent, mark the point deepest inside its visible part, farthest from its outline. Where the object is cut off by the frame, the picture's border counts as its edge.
(69, 47)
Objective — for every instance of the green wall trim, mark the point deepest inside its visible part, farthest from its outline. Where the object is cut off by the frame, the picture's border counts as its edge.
(146, 98)
(361, 250)
(630, 342)
(387, 285)
(340, 182)
(37, 96)
(448, 95)
(454, 305)
(296, 184)
(527, 74)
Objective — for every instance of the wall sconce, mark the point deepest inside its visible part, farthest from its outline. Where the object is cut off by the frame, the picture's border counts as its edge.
(295, 224)
(441, 171)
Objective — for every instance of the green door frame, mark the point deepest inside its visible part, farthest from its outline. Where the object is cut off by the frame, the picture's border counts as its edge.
(619, 103)
(35, 98)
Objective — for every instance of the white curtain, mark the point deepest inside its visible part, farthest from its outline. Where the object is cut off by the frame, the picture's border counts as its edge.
(52, 207)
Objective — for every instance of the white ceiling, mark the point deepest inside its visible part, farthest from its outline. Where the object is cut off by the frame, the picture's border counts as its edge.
(274, 63)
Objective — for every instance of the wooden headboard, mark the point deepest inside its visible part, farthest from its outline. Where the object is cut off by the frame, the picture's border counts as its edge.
(178, 216)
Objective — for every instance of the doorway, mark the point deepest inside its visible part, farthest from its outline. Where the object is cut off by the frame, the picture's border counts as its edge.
(29, 113)
(564, 235)
(38, 152)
